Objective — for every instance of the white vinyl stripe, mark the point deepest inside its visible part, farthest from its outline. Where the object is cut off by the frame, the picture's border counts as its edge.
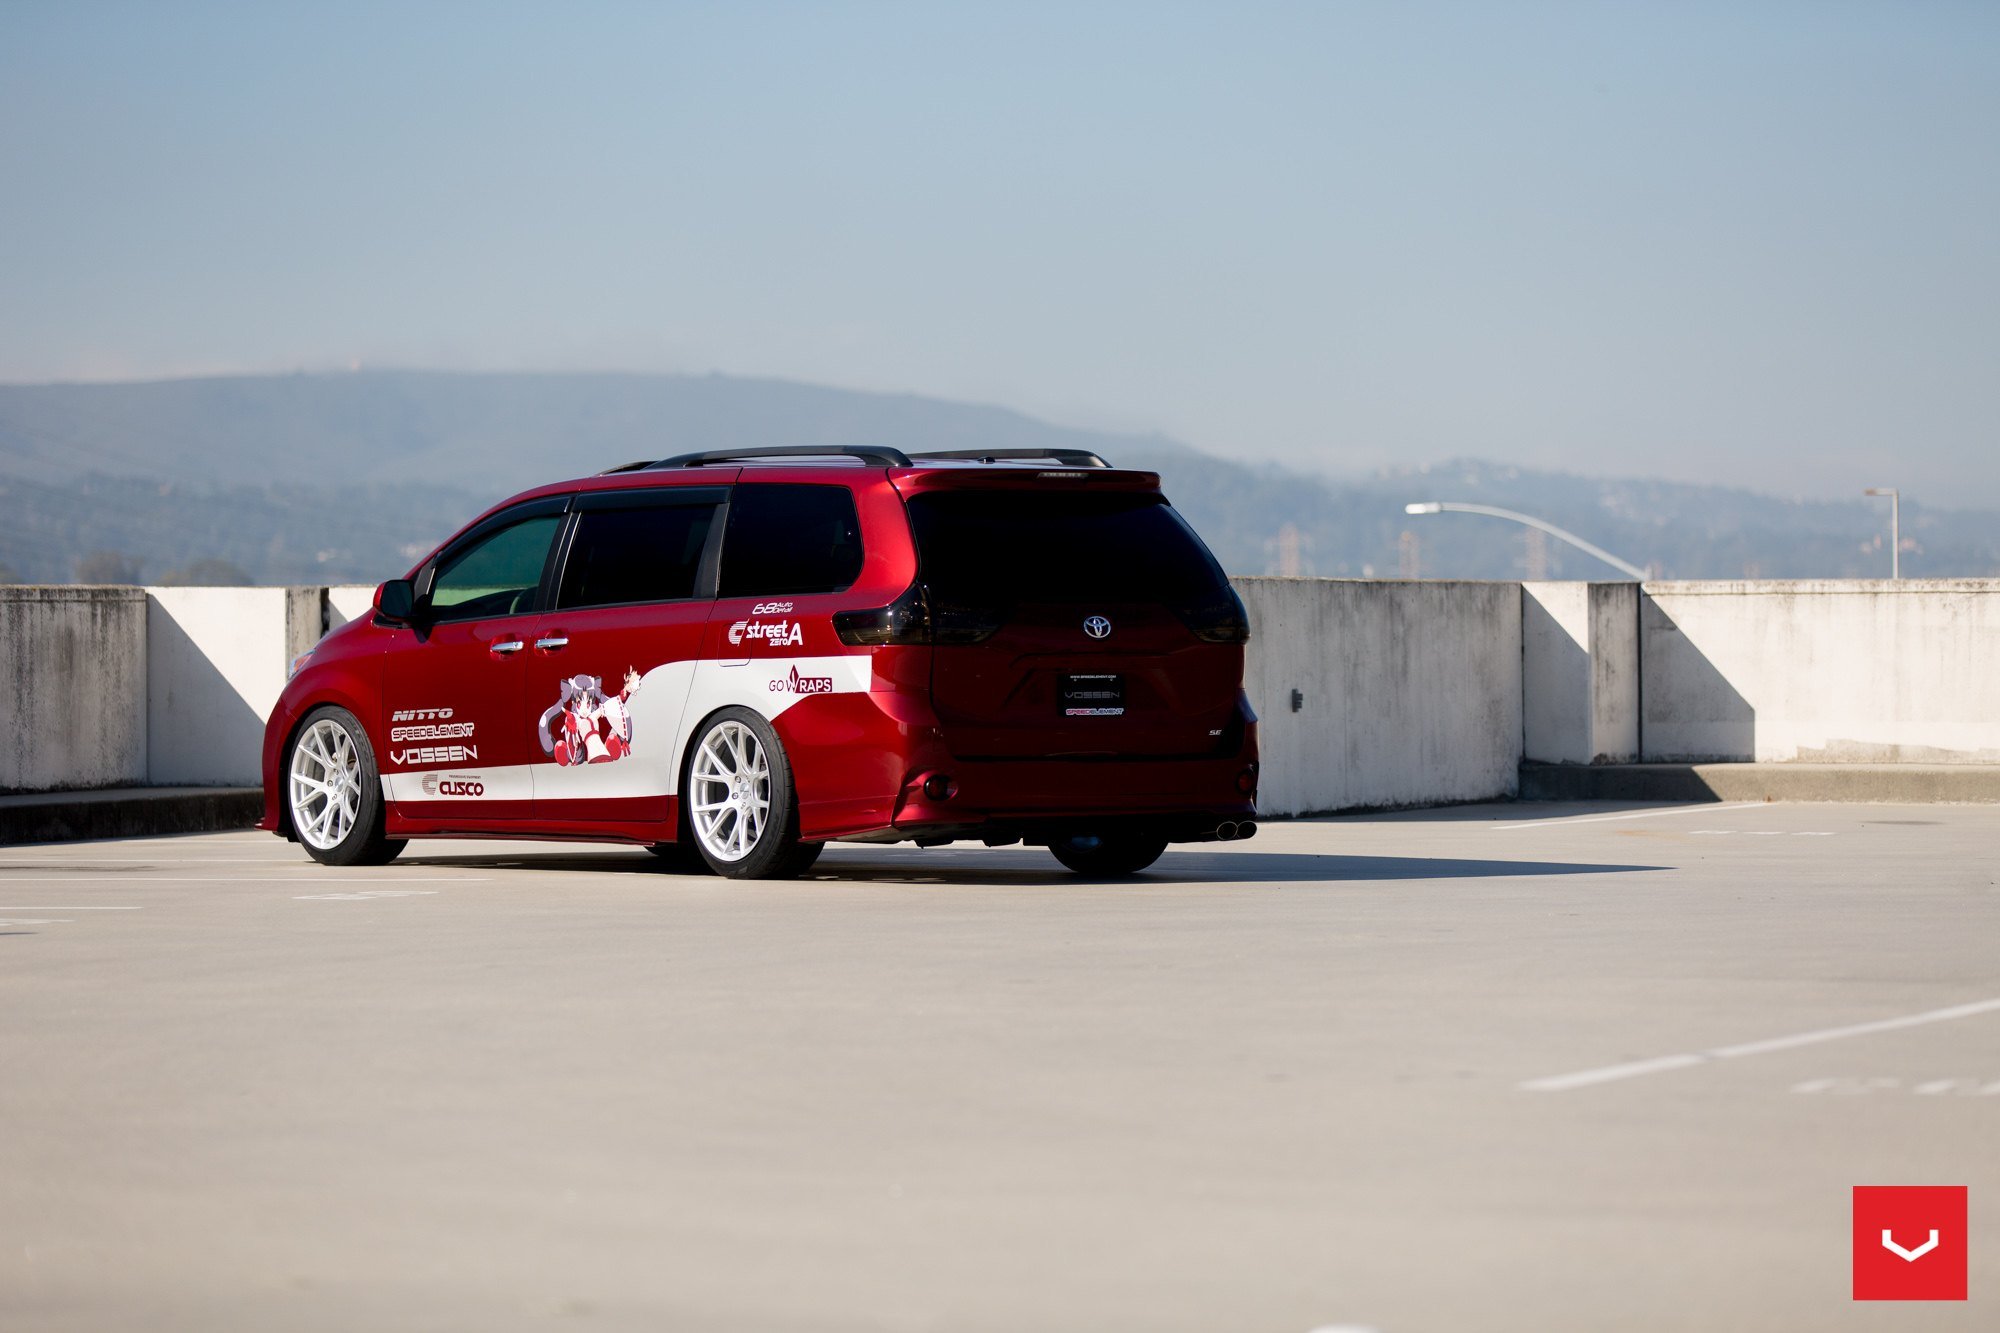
(1567, 821)
(1612, 1073)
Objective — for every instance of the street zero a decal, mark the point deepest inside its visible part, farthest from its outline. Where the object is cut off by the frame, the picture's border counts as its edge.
(586, 725)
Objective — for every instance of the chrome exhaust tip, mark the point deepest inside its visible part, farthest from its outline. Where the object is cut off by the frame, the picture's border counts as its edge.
(1226, 831)
(1246, 829)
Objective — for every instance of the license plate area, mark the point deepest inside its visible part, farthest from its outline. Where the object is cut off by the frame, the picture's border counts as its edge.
(1091, 695)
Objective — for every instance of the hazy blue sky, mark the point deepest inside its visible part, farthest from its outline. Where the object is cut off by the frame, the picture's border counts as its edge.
(1746, 241)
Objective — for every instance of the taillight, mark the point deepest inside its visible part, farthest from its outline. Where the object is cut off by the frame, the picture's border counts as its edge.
(1221, 619)
(965, 624)
(907, 620)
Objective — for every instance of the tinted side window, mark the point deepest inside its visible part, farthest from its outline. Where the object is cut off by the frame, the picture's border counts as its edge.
(646, 554)
(496, 575)
(790, 539)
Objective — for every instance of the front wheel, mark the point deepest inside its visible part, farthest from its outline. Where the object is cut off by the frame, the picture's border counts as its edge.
(742, 806)
(333, 792)
(1108, 854)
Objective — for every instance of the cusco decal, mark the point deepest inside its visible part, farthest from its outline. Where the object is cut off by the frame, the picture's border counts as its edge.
(508, 782)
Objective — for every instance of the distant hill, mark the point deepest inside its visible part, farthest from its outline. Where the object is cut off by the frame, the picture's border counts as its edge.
(308, 478)
(492, 434)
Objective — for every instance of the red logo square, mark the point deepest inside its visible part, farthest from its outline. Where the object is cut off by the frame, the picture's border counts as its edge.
(1909, 1242)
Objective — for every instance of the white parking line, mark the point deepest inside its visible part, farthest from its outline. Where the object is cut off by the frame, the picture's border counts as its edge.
(1566, 821)
(1661, 1064)
(71, 907)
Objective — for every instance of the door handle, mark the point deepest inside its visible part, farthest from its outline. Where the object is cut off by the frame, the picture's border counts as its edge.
(552, 642)
(506, 646)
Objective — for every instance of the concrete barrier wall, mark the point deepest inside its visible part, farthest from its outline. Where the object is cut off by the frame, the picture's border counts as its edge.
(72, 687)
(216, 662)
(1833, 671)
(1407, 692)
(346, 601)
(1580, 672)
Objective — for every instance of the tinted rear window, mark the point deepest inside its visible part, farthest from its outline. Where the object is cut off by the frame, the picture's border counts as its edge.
(999, 548)
(790, 539)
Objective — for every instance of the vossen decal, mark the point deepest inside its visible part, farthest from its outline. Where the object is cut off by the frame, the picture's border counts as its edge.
(420, 715)
(435, 754)
(448, 731)
(450, 785)
(797, 684)
(781, 634)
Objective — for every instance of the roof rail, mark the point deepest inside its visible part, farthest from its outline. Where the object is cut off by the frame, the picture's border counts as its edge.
(867, 453)
(1067, 457)
(627, 467)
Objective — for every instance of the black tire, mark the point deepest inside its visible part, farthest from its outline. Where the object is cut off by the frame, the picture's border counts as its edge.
(353, 835)
(1107, 855)
(774, 850)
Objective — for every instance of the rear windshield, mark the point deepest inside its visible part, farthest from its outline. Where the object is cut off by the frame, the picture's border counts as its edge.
(1000, 548)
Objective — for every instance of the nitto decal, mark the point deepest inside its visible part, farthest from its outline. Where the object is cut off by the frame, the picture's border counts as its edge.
(449, 731)
(779, 634)
(434, 785)
(420, 715)
(797, 684)
(436, 754)
(586, 725)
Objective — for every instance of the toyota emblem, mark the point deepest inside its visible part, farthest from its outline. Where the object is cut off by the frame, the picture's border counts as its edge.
(1097, 627)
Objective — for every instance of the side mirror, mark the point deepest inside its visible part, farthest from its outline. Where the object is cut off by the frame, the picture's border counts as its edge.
(396, 601)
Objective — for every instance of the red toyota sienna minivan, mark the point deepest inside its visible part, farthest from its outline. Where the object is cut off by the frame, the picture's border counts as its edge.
(735, 658)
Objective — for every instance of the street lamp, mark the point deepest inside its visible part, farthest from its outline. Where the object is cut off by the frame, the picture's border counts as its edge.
(1895, 527)
(1452, 507)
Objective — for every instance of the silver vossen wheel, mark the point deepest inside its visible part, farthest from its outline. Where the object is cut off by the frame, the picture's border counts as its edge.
(730, 791)
(325, 784)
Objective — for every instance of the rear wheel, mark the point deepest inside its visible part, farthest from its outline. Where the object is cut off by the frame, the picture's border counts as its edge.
(742, 806)
(1108, 854)
(333, 792)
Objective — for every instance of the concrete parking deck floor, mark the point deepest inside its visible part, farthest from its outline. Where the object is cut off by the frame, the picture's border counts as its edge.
(1400, 1072)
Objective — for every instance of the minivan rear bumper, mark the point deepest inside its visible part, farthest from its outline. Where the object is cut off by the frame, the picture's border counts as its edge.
(1183, 798)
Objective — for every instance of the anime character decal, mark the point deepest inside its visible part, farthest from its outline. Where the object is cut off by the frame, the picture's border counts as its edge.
(586, 725)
